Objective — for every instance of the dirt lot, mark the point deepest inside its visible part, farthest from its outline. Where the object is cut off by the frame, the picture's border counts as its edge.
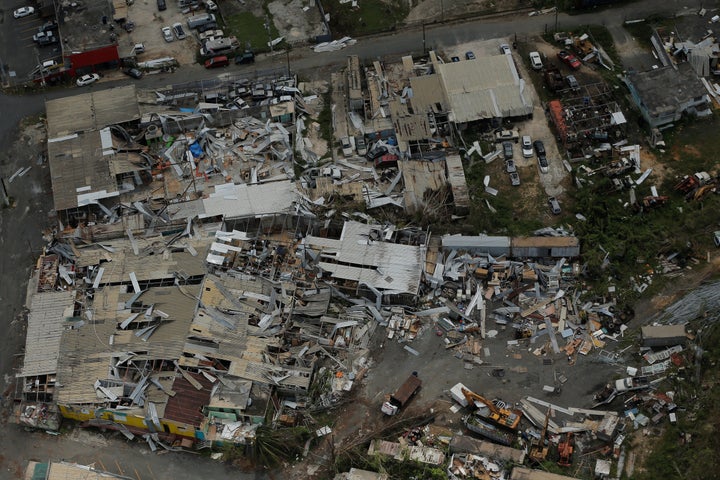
(149, 21)
(296, 20)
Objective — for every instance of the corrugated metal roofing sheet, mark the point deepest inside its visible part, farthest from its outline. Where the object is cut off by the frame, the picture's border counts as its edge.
(239, 201)
(383, 265)
(46, 323)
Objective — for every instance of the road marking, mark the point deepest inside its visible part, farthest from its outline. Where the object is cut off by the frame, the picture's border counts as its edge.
(119, 469)
(101, 464)
(137, 474)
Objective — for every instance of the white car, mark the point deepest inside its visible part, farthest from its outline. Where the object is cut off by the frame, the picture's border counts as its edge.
(167, 34)
(505, 49)
(527, 146)
(87, 79)
(23, 12)
(346, 146)
(535, 61)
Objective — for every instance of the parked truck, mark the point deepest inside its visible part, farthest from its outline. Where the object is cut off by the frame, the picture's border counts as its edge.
(402, 395)
(631, 383)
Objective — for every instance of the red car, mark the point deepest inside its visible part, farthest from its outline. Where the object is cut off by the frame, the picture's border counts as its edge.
(215, 62)
(569, 59)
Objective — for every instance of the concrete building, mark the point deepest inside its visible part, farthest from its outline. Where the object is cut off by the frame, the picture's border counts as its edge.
(664, 95)
(88, 34)
(485, 88)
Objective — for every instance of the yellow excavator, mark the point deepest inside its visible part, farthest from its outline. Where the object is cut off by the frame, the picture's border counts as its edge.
(539, 447)
(502, 417)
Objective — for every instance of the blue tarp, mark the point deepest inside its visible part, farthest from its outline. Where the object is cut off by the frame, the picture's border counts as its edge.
(196, 149)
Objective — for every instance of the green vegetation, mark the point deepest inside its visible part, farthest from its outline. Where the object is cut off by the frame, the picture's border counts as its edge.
(274, 446)
(371, 16)
(642, 31)
(251, 29)
(634, 240)
(514, 215)
(690, 450)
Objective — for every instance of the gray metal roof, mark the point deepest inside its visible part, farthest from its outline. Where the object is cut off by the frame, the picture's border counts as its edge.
(484, 88)
(91, 111)
(242, 200)
(79, 171)
(383, 265)
(666, 90)
(465, 242)
(46, 323)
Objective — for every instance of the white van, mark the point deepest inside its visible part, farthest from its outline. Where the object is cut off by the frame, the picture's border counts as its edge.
(196, 21)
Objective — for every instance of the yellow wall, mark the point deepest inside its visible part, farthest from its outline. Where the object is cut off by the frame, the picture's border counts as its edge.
(84, 413)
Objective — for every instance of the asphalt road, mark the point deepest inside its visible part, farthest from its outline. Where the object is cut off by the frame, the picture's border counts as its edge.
(20, 227)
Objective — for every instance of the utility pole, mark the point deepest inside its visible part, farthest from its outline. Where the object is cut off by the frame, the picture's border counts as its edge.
(287, 57)
(267, 27)
(42, 73)
(5, 196)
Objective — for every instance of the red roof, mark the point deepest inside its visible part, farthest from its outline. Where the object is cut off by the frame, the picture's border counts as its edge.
(187, 404)
(556, 112)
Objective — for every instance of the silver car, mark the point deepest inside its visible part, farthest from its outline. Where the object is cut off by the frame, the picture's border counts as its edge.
(167, 34)
(527, 147)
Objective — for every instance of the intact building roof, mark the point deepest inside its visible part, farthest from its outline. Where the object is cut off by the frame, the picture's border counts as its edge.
(494, 245)
(46, 323)
(82, 27)
(484, 88)
(242, 200)
(664, 90)
(91, 111)
(65, 471)
(546, 242)
(382, 265)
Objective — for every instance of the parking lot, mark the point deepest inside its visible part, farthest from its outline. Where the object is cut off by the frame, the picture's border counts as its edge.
(18, 52)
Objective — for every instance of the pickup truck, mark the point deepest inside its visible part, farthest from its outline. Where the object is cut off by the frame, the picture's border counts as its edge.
(402, 395)
(631, 383)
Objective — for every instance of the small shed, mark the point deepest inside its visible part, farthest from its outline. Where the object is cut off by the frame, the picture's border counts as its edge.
(663, 335)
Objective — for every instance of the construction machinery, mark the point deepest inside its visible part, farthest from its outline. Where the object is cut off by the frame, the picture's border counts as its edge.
(565, 451)
(503, 417)
(691, 182)
(539, 447)
(553, 78)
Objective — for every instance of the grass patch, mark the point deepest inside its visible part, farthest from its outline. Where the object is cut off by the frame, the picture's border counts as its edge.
(672, 456)
(634, 241)
(250, 29)
(512, 216)
(371, 16)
